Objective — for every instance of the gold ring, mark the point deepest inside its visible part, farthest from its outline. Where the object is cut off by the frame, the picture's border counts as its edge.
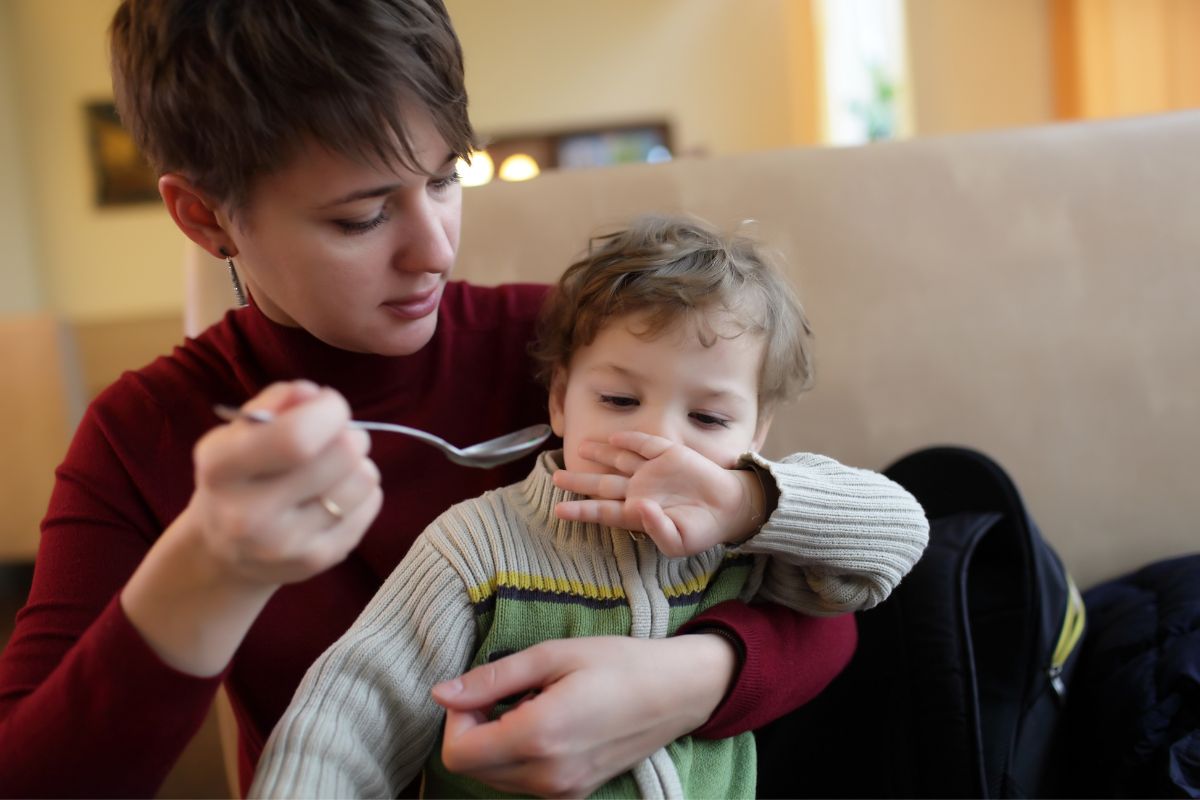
(333, 508)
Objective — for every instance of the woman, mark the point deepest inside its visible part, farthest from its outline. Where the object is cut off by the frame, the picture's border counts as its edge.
(313, 145)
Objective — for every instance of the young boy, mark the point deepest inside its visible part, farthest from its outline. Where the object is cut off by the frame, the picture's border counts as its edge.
(670, 343)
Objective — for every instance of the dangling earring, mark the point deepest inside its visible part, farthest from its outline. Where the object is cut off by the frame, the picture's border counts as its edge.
(239, 295)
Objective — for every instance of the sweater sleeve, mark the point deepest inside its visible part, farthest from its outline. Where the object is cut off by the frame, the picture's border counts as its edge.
(840, 538)
(788, 658)
(363, 722)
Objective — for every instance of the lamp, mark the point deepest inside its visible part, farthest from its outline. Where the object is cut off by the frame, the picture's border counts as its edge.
(519, 167)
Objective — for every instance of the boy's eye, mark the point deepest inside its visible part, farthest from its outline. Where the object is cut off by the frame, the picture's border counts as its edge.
(618, 401)
(709, 420)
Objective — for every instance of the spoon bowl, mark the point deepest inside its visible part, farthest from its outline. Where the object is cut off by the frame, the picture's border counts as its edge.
(483, 455)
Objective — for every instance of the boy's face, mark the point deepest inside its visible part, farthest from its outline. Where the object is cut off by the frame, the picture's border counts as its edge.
(671, 386)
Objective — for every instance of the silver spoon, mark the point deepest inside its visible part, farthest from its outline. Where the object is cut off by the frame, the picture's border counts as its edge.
(491, 453)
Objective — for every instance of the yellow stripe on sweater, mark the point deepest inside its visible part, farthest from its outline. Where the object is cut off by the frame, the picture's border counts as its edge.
(691, 586)
(695, 585)
(541, 583)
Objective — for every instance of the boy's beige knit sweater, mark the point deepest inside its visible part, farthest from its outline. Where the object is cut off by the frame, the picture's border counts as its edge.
(500, 573)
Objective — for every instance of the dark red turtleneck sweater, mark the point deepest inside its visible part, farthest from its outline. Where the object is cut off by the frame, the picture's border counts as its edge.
(87, 709)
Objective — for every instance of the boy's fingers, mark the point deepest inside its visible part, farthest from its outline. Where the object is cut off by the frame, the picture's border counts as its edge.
(602, 512)
(619, 458)
(646, 445)
(662, 531)
(659, 527)
(595, 485)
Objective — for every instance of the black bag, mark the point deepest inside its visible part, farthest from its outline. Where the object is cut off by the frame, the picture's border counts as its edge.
(957, 684)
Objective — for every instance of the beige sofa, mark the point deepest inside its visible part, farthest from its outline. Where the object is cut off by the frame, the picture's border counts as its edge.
(1031, 293)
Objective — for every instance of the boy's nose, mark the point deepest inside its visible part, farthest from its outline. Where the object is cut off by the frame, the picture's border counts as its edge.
(659, 425)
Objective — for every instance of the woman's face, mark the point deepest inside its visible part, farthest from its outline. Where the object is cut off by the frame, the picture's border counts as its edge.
(355, 254)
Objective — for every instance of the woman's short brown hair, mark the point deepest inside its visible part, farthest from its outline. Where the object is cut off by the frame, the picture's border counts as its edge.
(671, 268)
(225, 91)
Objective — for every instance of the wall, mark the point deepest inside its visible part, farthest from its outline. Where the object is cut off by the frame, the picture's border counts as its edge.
(1120, 57)
(726, 75)
(20, 288)
(718, 71)
(978, 64)
(96, 263)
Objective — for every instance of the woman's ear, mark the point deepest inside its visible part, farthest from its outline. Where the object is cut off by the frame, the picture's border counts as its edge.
(196, 214)
(558, 399)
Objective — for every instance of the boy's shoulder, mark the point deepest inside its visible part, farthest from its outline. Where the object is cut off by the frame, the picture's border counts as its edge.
(476, 523)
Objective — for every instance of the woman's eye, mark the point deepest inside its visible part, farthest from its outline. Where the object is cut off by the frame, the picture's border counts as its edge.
(444, 183)
(709, 420)
(351, 226)
(618, 401)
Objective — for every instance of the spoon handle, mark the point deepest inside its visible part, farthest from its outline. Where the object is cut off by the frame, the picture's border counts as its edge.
(229, 414)
(416, 433)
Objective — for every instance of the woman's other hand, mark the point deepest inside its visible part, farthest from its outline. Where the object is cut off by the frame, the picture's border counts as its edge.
(600, 705)
(273, 503)
(682, 500)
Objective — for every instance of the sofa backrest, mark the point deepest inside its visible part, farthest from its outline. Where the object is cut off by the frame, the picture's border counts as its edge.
(1030, 293)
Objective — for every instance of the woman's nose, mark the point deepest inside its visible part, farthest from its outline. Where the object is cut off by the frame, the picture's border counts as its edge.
(426, 241)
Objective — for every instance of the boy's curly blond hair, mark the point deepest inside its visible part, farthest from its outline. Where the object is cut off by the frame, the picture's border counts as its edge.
(671, 268)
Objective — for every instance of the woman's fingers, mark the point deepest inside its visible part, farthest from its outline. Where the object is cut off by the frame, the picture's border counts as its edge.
(490, 683)
(352, 488)
(301, 428)
(284, 500)
(483, 750)
(476, 745)
(340, 472)
(335, 543)
(604, 703)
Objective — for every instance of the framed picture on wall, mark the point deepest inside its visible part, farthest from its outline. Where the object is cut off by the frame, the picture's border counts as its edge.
(122, 175)
(599, 146)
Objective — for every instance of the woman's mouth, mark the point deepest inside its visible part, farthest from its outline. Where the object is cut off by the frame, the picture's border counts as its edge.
(415, 306)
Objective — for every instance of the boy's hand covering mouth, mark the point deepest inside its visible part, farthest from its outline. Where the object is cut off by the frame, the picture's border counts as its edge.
(679, 498)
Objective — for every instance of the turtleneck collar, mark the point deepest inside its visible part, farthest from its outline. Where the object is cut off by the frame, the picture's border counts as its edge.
(288, 353)
(539, 496)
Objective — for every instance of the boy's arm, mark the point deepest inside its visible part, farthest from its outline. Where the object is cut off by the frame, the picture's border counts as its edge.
(362, 722)
(840, 538)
